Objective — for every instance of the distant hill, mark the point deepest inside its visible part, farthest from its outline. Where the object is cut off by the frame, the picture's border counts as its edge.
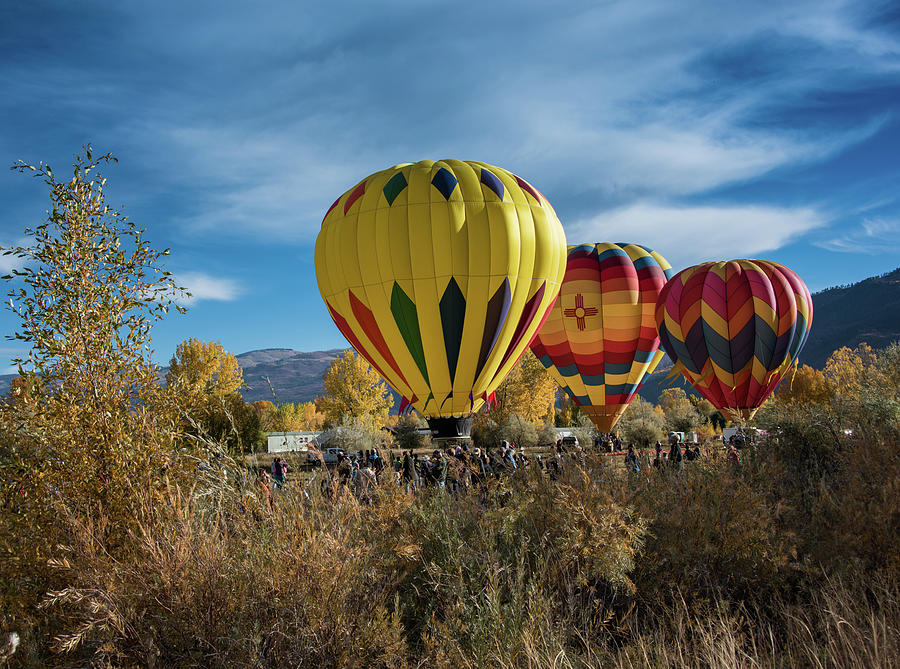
(868, 311)
(294, 376)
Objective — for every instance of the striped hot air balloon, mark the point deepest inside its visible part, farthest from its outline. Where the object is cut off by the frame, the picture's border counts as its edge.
(734, 328)
(439, 274)
(600, 338)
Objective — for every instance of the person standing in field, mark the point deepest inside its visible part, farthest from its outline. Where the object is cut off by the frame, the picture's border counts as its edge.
(675, 455)
(439, 470)
(279, 470)
(733, 458)
(631, 461)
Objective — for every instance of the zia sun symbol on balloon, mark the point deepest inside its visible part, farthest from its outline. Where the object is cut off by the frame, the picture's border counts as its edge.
(580, 311)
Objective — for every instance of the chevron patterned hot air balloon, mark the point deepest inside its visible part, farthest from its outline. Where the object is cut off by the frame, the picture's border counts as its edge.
(600, 338)
(439, 274)
(734, 329)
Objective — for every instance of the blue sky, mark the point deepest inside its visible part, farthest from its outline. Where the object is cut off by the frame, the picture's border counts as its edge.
(705, 131)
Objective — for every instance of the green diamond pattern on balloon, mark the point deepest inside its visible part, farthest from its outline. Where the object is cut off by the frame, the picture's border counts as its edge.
(394, 187)
(406, 317)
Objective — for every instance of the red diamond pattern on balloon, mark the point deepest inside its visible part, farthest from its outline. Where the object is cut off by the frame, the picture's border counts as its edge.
(580, 311)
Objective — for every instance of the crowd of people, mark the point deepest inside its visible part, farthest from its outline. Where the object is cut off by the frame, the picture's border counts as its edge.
(460, 467)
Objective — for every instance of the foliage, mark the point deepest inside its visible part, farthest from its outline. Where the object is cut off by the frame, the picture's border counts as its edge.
(487, 433)
(230, 424)
(204, 380)
(355, 435)
(805, 384)
(681, 414)
(204, 370)
(88, 424)
(406, 433)
(846, 368)
(289, 417)
(569, 413)
(354, 389)
(641, 424)
(528, 392)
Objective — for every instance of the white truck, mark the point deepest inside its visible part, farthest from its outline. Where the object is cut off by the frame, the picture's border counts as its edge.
(329, 455)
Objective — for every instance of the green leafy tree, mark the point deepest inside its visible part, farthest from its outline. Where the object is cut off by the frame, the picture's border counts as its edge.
(642, 424)
(406, 433)
(681, 414)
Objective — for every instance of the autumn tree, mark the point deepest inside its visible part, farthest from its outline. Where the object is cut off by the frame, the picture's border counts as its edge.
(263, 409)
(804, 385)
(681, 414)
(352, 388)
(528, 391)
(88, 430)
(846, 368)
(702, 405)
(887, 369)
(569, 414)
(290, 417)
(91, 288)
(203, 370)
(205, 380)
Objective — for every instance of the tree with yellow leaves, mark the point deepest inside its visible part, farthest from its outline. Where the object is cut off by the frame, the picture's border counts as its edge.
(846, 369)
(204, 380)
(528, 392)
(203, 370)
(290, 417)
(84, 433)
(352, 388)
(805, 385)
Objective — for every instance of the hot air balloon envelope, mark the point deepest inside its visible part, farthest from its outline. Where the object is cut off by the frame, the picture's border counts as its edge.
(734, 328)
(439, 274)
(600, 338)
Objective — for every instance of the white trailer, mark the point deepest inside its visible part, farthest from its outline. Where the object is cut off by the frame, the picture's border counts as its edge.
(281, 442)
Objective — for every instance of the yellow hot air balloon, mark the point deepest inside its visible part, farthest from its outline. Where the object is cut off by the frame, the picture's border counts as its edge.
(440, 274)
(600, 338)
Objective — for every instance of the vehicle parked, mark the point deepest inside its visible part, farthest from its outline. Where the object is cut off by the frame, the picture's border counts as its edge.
(329, 455)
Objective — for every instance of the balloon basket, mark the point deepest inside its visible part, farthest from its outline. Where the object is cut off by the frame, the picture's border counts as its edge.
(455, 427)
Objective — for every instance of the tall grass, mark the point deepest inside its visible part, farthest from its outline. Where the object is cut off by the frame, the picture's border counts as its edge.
(703, 567)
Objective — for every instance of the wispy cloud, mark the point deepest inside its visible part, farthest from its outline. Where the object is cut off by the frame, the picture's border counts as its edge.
(653, 109)
(874, 236)
(203, 286)
(688, 235)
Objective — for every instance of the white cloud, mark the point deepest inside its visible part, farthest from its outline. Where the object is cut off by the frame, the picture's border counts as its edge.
(874, 236)
(689, 235)
(634, 119)
(9, 263)
(203, 286)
